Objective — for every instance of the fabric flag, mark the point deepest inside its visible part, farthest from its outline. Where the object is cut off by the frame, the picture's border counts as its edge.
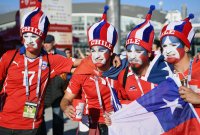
(159, 70)
(115, 101)
(159, 112)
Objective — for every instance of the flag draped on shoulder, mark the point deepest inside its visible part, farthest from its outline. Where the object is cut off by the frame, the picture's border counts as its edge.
(159, 112)
(159, 70)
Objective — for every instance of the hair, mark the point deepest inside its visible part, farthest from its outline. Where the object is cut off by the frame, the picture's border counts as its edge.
(67, 49)
(158, 44)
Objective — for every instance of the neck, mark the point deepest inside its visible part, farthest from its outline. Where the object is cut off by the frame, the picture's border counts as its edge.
(105, 67)
(183, 64)
(32, 55)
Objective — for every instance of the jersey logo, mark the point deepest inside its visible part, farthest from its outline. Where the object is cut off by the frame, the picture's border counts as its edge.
(44, 65)
(132, 88)
(14, 62)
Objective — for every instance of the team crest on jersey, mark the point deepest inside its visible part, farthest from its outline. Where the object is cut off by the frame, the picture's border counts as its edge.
(132, 88)
(44, 65)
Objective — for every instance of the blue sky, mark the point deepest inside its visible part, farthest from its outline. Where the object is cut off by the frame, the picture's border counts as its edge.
(193, 5)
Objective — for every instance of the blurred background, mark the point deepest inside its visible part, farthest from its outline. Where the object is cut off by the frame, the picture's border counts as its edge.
(70, 20)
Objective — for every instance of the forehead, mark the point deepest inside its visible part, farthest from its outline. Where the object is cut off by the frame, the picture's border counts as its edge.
(135, 47)
(98, 48)
(170, 39)
(30, 34)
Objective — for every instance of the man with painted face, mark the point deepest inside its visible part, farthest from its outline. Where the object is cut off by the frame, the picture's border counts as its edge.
(176, 39)
(26, 77)
(141, 75)
(96, 88)
(138, 46)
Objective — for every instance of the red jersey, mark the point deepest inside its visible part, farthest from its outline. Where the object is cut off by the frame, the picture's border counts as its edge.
(194, 83)
(132, 88)
(83, 79)
(15, 90)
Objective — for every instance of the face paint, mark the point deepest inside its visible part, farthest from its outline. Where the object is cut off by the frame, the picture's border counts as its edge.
(100, 55)
(137, 55)
(173, 49)
(32, 42)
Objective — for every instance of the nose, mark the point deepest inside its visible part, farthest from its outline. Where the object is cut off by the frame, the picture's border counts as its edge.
(30, 40)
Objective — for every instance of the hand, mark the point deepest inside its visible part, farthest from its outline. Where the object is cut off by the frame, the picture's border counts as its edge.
(70, 112)
(189, 95)
(116, 60)
(107, 118)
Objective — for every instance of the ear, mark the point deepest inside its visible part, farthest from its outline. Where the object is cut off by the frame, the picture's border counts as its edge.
(149, 54)
(186, 49)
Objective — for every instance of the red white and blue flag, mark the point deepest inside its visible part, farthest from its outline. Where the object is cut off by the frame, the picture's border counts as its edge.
(159, 112)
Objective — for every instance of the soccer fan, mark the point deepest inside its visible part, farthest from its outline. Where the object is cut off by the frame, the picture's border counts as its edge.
(97, 89)
(176, 38)
(25, 74)
(141, 75)
(138, 46)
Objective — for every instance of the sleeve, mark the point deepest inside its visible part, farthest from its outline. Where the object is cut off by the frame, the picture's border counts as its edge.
(75, 84)
(60, 64)
(4, 62)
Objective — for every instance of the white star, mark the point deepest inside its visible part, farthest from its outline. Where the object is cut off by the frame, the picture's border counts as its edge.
(173, 104)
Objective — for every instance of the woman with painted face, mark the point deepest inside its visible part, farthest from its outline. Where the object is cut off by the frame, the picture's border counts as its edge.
(97, 89)
(176, 40)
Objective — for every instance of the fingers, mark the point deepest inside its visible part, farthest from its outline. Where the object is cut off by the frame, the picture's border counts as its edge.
(70, 112)
(107, 119)
(184, 88)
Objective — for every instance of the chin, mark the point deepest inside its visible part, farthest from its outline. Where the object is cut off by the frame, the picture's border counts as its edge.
(172, 60)
(31, 49)
(135, 66)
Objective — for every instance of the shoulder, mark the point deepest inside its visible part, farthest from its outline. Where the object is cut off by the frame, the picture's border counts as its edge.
(60, 52)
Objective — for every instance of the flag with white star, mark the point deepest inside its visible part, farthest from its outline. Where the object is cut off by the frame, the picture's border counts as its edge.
(159, 112)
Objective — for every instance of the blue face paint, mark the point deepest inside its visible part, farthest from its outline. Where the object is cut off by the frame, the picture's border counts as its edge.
(137, 55)
(173, 49)
(137, 48)
(100, 55)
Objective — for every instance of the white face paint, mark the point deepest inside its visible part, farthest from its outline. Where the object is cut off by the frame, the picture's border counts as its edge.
(135, 54)
(100, 55)
(30, 40)
(170, 48)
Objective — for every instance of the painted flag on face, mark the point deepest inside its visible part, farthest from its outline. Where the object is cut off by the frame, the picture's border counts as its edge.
(159, 112)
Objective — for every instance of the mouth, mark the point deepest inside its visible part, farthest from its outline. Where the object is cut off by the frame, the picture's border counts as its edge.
(99, 60)
(170, 55)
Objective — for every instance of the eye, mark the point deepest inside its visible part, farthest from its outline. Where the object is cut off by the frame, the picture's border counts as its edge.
(34, 36)
(129, 51)
(101, 50)
(174, 45)
(164, 46)
(138, 51)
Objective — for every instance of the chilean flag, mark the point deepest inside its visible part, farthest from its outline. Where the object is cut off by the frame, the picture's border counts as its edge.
(159, 112)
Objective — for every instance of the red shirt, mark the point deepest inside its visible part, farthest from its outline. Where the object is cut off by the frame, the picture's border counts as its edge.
(15, 91)
(86, 83)
(195, 79)
(132, 89)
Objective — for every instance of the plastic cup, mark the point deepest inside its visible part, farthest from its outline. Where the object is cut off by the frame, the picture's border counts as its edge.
(79, 105)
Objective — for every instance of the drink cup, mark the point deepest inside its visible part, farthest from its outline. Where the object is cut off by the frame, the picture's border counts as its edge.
(79, 105)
